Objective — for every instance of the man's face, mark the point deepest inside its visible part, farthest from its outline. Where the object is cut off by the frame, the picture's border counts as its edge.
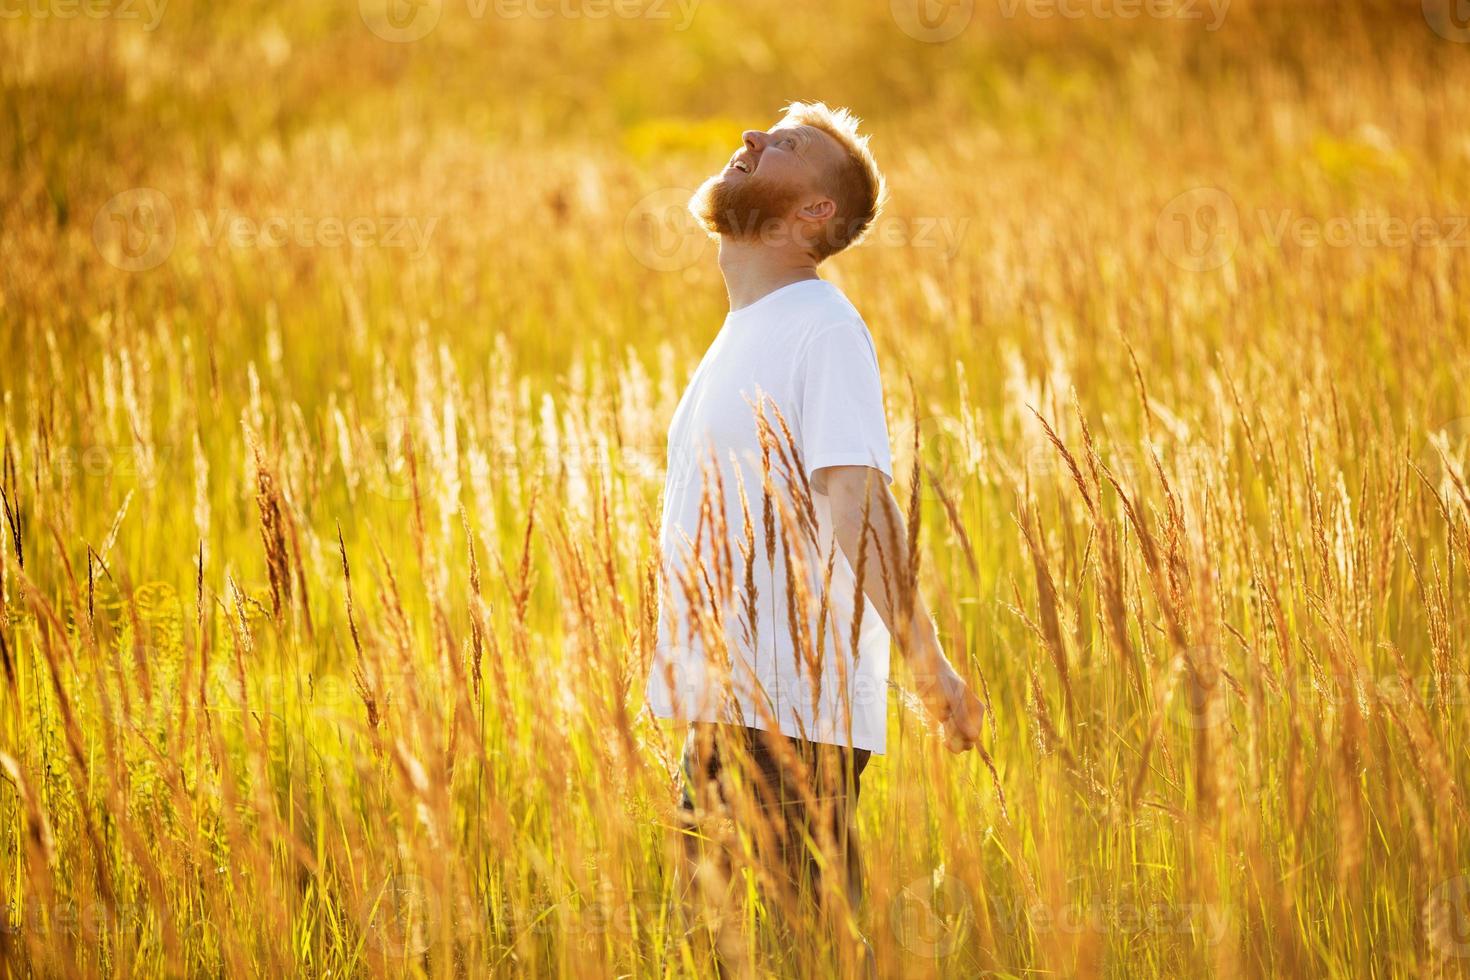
(773, 183)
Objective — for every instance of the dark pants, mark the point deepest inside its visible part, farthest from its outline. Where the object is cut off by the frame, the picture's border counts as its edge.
(793, 797)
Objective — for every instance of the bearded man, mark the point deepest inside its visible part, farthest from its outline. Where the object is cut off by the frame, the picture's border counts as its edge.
(786, 569)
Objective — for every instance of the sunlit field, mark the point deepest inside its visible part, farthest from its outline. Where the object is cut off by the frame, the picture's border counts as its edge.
(338, 344)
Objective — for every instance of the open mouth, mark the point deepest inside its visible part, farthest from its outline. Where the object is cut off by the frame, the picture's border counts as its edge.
(741, 165)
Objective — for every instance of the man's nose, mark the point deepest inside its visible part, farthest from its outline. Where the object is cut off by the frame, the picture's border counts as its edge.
(755, 140)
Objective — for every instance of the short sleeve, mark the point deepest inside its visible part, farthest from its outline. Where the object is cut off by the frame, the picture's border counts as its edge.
(842, 419)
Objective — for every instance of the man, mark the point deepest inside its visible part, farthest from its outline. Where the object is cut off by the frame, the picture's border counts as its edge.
(786, 566)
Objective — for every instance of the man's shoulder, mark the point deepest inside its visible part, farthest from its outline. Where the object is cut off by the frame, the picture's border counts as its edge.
(816, 311)
(831, 303)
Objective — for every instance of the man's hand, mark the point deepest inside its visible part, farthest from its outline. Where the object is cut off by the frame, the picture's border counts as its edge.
(953, 704)
(866, 519)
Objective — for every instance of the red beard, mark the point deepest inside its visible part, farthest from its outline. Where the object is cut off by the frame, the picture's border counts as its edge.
(742, 209)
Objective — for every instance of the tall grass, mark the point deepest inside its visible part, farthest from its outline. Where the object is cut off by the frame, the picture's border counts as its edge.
(329, 574)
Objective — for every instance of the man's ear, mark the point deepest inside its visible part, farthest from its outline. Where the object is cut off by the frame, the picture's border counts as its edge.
(819, 210)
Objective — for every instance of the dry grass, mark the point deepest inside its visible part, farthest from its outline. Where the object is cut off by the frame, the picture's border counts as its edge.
(328, 577)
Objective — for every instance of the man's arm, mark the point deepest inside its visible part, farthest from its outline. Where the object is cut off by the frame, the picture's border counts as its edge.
(856, 491)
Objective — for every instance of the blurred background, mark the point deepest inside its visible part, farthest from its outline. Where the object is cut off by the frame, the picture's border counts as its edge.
(408, 287)
(1045, 138)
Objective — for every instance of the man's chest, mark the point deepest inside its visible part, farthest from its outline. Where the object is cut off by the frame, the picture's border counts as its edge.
(730, 389)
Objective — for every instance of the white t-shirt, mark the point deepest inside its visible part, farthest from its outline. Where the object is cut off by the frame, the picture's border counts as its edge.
(802, 349)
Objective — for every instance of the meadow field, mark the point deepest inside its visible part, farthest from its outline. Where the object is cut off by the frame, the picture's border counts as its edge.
(337, 347)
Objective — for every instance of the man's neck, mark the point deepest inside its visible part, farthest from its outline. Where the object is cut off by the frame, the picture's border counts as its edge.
(753, 269)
